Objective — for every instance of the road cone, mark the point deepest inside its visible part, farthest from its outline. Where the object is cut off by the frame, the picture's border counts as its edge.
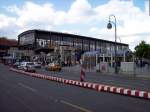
(82, 75)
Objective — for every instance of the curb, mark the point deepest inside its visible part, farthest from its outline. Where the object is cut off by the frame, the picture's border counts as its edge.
(94, 86)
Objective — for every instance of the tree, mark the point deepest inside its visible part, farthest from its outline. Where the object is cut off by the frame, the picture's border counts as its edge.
(143, 50)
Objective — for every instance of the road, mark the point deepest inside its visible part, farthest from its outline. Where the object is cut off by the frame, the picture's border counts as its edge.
(21, 93)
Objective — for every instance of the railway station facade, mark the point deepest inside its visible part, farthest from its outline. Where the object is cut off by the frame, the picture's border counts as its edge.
(66, 47)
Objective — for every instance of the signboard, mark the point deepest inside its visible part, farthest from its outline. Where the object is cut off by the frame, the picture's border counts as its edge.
(27, 39)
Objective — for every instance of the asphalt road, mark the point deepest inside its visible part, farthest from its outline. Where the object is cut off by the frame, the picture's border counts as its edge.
(114, 80)
(21, 93)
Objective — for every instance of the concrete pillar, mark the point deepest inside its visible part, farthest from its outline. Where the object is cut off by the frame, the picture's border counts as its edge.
(111, 60)
(103, 57)
(124, 57)
(96, 59)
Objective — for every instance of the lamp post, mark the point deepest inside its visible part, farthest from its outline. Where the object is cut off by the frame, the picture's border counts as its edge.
(109, 26)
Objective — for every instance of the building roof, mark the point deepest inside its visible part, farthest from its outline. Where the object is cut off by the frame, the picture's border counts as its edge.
(68, 34)
(8, 42)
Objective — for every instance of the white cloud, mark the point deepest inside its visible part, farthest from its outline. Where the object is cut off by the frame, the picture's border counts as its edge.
(94, 29)
(80, 11)
(7, 26)
(5, 21)
(33, 14)
(133, 24)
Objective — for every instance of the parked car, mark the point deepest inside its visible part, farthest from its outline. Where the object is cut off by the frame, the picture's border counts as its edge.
(37, 64)
(27, 66)
(15, 65)
(53, 67)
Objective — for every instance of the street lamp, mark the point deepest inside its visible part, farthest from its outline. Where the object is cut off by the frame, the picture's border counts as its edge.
(109, 26)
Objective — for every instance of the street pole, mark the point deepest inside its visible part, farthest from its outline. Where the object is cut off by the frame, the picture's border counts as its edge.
(109, 26)
(115, 46)
(149, 7)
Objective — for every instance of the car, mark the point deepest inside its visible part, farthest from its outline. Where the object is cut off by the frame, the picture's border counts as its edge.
(27, 67)
(15, 65)
(53, 67)
(37, 64)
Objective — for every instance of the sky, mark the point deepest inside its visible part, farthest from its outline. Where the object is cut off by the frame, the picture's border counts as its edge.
(82, 17)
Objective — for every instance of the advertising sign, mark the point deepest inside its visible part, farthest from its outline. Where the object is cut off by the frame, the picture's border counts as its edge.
(27, 39)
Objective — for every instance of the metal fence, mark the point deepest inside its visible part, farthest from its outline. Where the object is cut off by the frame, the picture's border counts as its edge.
(142, 70)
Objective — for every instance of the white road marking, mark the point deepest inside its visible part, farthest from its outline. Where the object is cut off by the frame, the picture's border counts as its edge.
(23, 103)
(8, 92)
(75, 106)
(27, 87)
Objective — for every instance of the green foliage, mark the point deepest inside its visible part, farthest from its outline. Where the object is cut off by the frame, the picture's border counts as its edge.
(143, 50)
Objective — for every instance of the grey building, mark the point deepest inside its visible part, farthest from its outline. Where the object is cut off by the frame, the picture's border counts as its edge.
(64, 46)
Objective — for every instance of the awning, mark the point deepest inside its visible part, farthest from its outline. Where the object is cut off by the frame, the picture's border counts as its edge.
(8, 57)
(45, 50)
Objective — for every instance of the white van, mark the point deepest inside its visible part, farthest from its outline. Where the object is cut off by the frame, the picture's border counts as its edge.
(27, 66)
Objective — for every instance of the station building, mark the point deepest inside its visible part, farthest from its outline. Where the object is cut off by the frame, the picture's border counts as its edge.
(65, 47)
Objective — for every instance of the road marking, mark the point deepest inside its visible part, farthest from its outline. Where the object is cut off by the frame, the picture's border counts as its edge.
(27, 87)
(22, 102)
(75, 106)
(8, 92)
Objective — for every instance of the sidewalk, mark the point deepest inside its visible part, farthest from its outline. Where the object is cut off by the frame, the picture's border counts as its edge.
(134, 76)
(119, 80)
(77, 69)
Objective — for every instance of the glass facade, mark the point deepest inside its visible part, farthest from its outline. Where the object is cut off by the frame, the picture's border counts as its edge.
(27, 39)
(45, 39)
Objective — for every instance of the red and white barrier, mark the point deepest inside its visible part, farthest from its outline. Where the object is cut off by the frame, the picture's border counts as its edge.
(94, 86)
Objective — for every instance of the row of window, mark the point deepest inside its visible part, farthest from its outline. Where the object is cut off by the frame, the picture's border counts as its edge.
(47, 40)
(77, 43)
